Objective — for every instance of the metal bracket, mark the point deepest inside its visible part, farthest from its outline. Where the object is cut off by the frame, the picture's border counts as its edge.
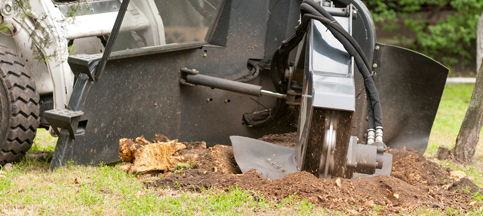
(63, 118)
(85, 64)
(184, 73)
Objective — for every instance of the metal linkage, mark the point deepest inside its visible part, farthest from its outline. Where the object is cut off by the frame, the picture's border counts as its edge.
(192, 77)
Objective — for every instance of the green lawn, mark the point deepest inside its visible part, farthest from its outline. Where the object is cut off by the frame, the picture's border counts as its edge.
(451, 112)
(32, 189)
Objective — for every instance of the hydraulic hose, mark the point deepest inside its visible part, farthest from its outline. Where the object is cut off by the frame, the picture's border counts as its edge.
(374, 107)
(311, 10)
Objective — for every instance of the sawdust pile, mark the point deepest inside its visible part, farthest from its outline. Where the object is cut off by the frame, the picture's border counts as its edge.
(414, 183)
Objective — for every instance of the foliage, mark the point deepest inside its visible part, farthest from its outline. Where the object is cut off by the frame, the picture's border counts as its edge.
(450, 39)
(79, 7)
(5, 27)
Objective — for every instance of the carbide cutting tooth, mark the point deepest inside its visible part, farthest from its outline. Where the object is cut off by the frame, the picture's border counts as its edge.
(269, 160)
(273, 163)
(284, 170)
(278, 167)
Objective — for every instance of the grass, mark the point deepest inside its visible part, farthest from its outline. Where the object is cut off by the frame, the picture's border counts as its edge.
(31, 189)
(452, 110)
(43, 142)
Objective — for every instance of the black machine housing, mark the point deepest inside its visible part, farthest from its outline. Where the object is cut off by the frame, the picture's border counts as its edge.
(143, 91)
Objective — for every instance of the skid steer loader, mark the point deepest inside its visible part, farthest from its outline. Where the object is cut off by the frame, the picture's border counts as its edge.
(37, 38)
(244, 69)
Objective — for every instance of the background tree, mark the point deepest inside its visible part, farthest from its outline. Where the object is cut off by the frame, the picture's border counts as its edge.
(450, 40)
(470, 129)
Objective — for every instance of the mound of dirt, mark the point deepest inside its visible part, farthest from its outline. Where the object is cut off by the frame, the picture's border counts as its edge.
(218, 158)
(413, 168)
(414, 182)
(464, 185)
(286, 139)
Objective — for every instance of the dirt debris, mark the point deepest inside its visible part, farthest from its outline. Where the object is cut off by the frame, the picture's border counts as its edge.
(286, 139)
(443, 153)
(456, 174)
(414, 183)
(413, 168)
(163, 155)
(465, 185)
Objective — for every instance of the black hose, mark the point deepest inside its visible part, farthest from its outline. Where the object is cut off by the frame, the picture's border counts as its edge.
(311, 10)
(254, 72)
(332, 23)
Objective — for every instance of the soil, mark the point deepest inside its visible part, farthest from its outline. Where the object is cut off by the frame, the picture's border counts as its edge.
(414, 183)
(286, 139)
(217, 159)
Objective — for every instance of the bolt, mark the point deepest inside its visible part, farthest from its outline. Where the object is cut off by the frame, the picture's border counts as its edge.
(204, 54)
(378, 47)
(8, 8)
(374, 65)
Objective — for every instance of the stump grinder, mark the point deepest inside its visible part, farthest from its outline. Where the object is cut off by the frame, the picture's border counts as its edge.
(241, 69)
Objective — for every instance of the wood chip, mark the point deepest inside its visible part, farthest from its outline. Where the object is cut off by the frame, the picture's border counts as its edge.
(157, 156)
(338, 182)
(457, 174)
(390, 192)
(369, 203)
(8, 167)
(125, 168)
(321, 198)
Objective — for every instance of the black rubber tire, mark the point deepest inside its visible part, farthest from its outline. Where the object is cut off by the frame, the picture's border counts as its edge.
(19, 107)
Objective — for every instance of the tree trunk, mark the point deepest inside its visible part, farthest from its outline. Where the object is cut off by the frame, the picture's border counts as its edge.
(479, 43)
(470, 129)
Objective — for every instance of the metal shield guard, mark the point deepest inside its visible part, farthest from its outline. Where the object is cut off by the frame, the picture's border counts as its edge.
(410, 86)
(270, 160)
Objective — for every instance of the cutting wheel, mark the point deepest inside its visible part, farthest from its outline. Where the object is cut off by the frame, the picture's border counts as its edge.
(327, 157)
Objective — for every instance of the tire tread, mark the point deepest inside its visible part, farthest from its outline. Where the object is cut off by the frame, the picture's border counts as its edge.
(24, 103)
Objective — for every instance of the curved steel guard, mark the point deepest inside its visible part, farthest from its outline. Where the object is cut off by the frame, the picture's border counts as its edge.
(270, 160)
(410, 87)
